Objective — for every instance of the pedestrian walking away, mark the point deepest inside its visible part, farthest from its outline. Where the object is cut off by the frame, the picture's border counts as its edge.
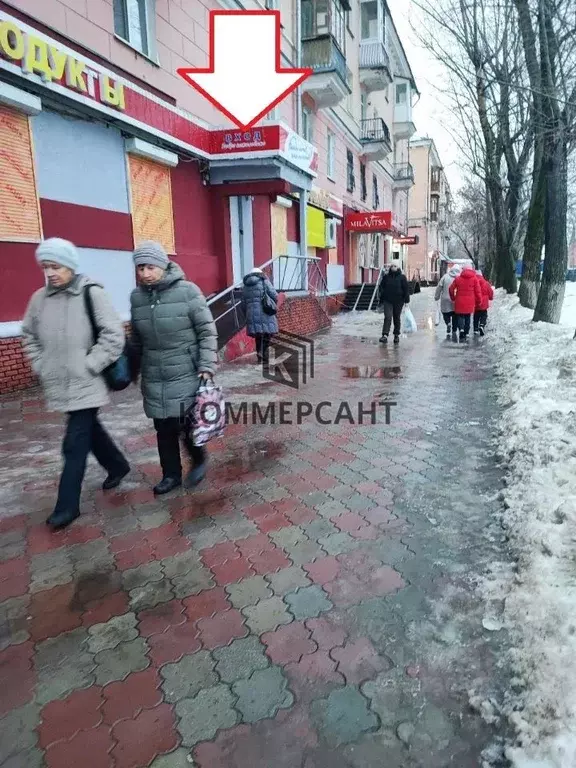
(175, 334)
(442, 294)
(58, 339)
(259, 302)
(393, 294)
(465, 293)
(481, 312)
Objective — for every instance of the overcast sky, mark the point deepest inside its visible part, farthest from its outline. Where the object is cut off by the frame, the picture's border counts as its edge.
(430, 116)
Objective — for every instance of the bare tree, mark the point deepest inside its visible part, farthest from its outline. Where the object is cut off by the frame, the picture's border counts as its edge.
(471, 225)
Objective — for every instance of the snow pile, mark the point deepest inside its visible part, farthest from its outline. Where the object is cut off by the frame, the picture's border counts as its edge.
(568, 316)
(536, 365)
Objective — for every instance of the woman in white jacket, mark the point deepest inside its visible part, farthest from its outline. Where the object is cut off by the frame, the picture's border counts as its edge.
(443, 295)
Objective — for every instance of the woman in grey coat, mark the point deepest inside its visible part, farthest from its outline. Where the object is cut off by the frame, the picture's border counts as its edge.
(174, 331)
(442, 294)
(259, 325)
(58, 340)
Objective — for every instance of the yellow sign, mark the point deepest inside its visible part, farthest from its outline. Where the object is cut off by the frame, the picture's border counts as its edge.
(315, 227)
(48, 61)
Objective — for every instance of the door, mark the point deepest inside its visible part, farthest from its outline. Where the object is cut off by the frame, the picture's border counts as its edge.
(242, 235)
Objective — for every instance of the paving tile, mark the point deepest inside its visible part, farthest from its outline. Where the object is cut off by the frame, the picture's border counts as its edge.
(323, 570)
(305, 552)
(232, 571)
(287, 580)
(30, 758)
(267, 615)
(119, 662)
(141, 575)
(308, 602)
(151, 594)
(176, 759)
(240, 659)
(156, 620)
(338, 543)
(327, 632)
(286, 538)
(269, 561)
(120, 629)
(174, 643)
(248, 591)
(14, 621)
(189, 676)
(17, 731)
(288, 643)
(192, 582)
(262, 695)
(206, 604)
(313, 676)
(87, 748)
(202, 716)
(358, 661)
(127, 698)
(17, 676)
(99, 611)
(79, 711)
(141, 740)
(221, 629)
(343, 716)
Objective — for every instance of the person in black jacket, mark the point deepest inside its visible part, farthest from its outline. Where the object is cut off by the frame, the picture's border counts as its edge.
(393, 294)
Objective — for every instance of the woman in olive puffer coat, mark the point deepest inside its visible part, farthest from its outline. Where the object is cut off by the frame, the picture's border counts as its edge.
(174, 331)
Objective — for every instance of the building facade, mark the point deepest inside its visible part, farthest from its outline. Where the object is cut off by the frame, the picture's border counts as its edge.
(103, 143)
(430, 212)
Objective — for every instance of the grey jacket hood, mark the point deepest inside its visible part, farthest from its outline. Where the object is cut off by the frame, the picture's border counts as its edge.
(454, 271)
(75, 286)
(253, 278)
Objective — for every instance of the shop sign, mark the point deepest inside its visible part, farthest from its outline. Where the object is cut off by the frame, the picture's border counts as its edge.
(378, 221)
(298, 151)
(322, 199)
(408, 240)
(48, 61)
(234, 141)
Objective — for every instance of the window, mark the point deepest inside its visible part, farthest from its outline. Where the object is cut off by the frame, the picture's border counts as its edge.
(401, 93)
(363, 106)
(307, 124)
(324, 17)
(151, 202)
(132, 23)
(369, 20)
(331, 152)
(363, 189)
(350, 180)
(433, 208)
(375, 195)
(274, 114)
(271, 5)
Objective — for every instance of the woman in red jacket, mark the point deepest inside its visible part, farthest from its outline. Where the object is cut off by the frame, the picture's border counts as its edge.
(465, 293)
(486, 296)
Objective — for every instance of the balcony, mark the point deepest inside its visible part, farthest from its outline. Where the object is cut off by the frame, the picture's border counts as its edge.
(435, 186)
(331, 82)
(404, 128)
(375, 138)
(374, 65)
(403, 176)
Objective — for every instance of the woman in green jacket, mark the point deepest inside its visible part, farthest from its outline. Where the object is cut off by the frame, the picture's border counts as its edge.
(174, 331)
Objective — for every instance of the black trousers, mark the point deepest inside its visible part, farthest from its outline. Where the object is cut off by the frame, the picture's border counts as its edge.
(168, 433)
(450, 320)
(262, 345)
(85, 434)
(392, 312)
(480, 318)
(464, 324)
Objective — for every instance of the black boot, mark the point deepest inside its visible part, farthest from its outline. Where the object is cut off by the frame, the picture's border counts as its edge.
(196, 475)
(114, 480)
(396, 339)
(384, 340)
(62, 519)
(167, 484)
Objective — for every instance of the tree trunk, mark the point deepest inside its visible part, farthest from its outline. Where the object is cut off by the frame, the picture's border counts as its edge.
(551, 296)
(534, 241)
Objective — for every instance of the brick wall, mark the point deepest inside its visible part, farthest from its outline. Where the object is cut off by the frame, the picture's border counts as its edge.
(302, 315)
(335, 303)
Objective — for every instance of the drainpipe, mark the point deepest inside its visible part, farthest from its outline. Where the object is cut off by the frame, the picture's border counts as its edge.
(298, 65)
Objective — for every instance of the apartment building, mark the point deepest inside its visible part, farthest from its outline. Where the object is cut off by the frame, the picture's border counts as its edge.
(430, 212)
(104, 144)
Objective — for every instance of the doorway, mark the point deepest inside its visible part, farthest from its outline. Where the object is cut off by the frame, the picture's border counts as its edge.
(241, 230)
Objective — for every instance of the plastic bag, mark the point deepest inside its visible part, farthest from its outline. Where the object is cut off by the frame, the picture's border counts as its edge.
(207, 417)
(409, 321)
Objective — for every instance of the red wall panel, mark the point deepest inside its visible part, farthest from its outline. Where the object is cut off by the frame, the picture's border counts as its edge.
(293, 223)
(87, 227)
(262, 230)
(198, 226)
(21, 276)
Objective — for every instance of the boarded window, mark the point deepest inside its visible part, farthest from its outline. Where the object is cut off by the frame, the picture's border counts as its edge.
(151, 197)
(19, 207)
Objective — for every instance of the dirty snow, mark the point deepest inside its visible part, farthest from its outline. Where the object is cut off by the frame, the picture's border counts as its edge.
(536, 377)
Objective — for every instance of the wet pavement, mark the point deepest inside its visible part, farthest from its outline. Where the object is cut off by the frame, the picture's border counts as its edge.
(312, 605)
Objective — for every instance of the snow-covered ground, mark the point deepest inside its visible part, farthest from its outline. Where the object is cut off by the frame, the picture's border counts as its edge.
(536, 369)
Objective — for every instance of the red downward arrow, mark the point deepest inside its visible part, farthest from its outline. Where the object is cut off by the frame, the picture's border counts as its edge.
(245, 79)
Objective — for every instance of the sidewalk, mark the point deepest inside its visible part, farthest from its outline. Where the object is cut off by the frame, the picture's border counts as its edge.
(311, 606)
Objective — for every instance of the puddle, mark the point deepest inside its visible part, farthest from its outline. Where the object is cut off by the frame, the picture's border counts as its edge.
(372, 372)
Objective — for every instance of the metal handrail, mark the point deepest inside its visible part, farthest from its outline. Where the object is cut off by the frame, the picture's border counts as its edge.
(376, 288)
(358, 297)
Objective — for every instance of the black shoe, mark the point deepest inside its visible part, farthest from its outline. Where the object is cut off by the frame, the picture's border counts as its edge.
(449, 332)
(114, 480)
(384, 340)
(396, 339)
(196, 475)
(481, 331)
(62, 519)
(167, 484)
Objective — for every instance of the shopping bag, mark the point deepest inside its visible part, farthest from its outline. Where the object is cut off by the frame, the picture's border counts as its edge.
(409, 322)
(438, 316)
(207, 417)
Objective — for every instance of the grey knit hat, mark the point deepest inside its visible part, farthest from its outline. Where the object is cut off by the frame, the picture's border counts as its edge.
(60, 251)
(151, 253)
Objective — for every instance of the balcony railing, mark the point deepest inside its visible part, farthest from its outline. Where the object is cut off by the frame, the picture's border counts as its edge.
(435, 184)
(374, 129)
(404, 172)
(323, 55)
(373, 55)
